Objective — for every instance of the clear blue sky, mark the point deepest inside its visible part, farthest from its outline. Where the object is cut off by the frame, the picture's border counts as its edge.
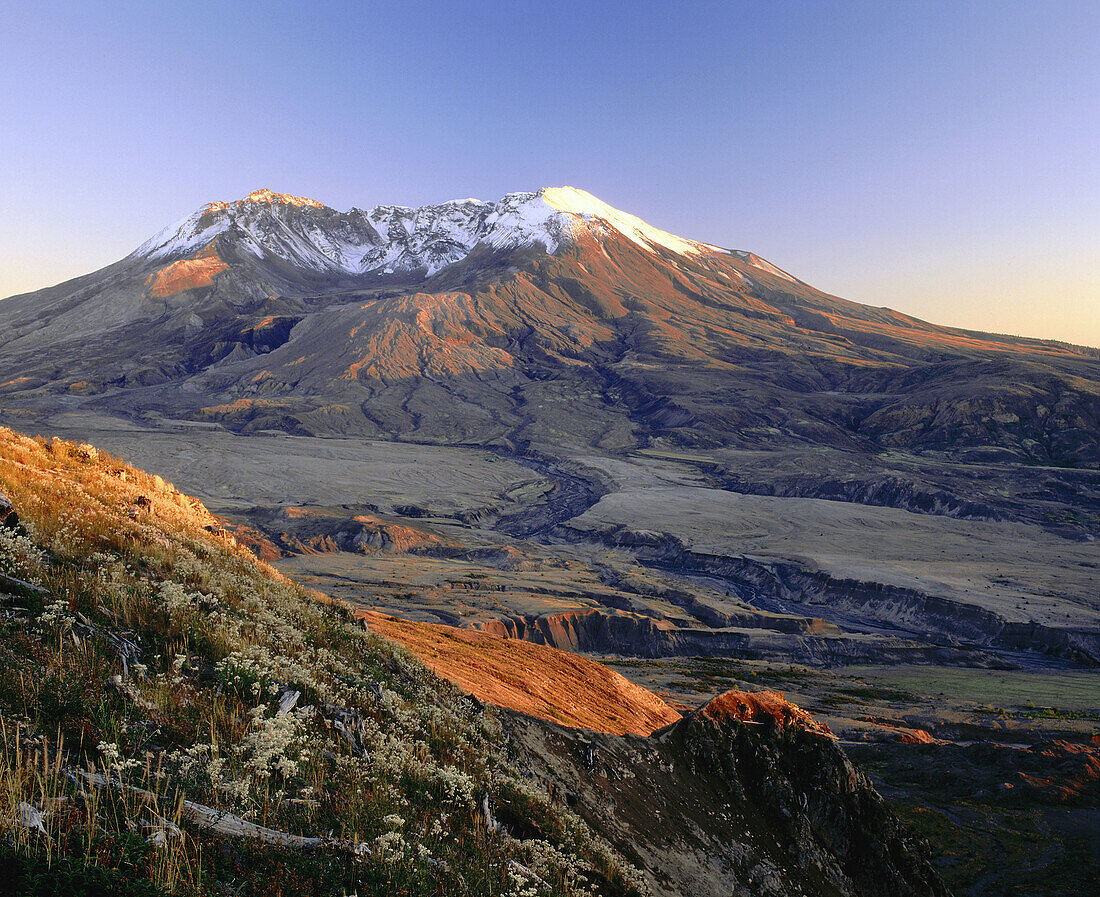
(940, 158)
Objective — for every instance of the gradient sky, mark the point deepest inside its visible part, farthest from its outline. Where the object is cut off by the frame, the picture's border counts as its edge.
(939, 158)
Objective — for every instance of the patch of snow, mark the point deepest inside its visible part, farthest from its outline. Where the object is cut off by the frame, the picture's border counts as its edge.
(587, 206)
(765, 265)
(184, 236)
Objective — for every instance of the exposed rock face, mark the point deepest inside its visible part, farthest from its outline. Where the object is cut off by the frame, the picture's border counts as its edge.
(799, 640)
(8, 517)
(747, 795)
(589, 630)
(765, 708)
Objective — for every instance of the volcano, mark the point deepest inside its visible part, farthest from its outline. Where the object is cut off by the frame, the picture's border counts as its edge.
(544, 320)
(543, 419)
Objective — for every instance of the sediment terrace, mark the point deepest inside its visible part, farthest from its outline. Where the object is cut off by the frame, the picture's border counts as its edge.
(952, 582)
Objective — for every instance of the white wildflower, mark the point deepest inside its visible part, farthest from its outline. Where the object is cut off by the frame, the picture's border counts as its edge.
(57, 616)
(391, 847)
(110, 752)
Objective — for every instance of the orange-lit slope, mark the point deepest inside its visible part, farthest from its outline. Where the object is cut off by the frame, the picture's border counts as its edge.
(534, 679)
(764, 707)
(186, 274)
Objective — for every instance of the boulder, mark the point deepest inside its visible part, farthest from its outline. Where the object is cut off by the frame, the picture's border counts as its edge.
(8, 518)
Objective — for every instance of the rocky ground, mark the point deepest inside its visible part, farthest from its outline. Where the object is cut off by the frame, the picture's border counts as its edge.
(998, 768)
(707, 802)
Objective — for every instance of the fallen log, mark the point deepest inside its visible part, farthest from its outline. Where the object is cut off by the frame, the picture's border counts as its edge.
(208, 818)
(14, 586)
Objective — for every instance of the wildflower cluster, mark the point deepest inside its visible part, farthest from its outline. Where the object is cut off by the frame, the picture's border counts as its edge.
(56, 616)
(18, 552)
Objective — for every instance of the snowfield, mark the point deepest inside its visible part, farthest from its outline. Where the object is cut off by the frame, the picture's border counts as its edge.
(391, 239)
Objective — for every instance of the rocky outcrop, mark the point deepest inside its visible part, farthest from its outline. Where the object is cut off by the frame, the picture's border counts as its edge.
(8, 518)
(764, 637)
(748, 795)
(594, 631)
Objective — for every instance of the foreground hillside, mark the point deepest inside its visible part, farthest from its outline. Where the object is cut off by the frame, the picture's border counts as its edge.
(160, 687)
(177, 717)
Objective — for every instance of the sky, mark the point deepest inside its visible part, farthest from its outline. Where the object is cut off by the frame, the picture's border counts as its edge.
(940, 158)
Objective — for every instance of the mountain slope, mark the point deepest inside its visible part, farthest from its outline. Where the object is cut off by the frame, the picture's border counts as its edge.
(535, 679)
(544, 319)
(724, 787)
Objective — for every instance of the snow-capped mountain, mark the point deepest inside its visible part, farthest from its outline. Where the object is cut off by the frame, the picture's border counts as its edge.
(396, 238)
(546, 317)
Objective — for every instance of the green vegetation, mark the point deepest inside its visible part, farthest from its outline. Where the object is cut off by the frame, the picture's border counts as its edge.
(1064, 862)
(714, 675)
(1034, 713)
(176, 717)
(1061, 692)
(878, 693)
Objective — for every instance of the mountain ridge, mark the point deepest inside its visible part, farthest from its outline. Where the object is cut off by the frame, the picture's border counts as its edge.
(438, 234)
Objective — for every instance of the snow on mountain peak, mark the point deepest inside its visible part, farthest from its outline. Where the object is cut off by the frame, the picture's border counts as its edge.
(584, 204)
(264, 195)
(388, 239)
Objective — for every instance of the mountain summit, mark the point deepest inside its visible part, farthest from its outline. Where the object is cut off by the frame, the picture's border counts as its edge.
(388, 238)
(544, 319)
